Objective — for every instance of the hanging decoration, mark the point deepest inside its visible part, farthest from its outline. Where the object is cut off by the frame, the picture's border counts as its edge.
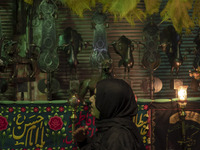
(100, 47)
(151, 58)
(72, 43)
(48, 60)
(170, 43)
(152, 6)
(124, 47)
(177, 13)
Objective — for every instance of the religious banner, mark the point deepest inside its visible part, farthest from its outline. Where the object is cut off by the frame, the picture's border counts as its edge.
(48, 125)
(142, 121)
(168, 126)
(45, 126)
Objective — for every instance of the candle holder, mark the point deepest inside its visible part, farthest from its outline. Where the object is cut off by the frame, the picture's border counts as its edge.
(182, 101)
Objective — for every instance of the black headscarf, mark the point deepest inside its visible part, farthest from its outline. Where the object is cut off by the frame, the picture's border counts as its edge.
(116, 102)
(115, 99)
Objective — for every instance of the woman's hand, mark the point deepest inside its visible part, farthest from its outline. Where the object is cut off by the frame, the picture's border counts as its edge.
(80, 134)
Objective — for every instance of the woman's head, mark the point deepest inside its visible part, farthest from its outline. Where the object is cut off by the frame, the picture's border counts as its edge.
(114, 98)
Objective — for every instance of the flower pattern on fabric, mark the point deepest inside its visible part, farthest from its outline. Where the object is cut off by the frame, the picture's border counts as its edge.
(35, 109)
(55, 123)
(23, 109)
(145, 107)
(48, 109)
(10, 109)
(61, 109)
(3, 123)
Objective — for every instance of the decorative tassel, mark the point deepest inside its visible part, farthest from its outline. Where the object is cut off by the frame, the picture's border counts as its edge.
(79, 6)
(152, 6)
(196, 12)
(176, 11)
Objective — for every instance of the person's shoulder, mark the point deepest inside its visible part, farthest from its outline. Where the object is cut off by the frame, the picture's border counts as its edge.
(117, 138)
(118, 131)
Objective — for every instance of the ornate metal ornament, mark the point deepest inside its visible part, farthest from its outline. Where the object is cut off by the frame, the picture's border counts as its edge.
(100, 49)
(151, 58)
(72, 43)
(48, 60)
(170, 43)
(124, 47)
(47, 8)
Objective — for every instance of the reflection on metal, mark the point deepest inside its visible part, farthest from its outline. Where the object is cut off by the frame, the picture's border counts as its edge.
(157, 85)
(195, 74)
(100, 49)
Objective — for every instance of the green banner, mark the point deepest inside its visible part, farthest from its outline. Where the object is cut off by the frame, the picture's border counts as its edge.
(40, 126)
(48, 125)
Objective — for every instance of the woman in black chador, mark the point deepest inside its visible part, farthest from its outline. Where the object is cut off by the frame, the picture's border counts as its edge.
(113, 106)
